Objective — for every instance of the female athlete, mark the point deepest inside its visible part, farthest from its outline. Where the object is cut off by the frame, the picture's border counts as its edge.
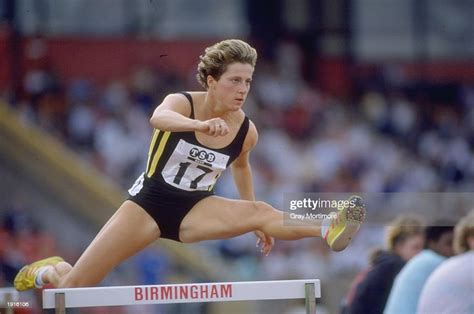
(197, 135)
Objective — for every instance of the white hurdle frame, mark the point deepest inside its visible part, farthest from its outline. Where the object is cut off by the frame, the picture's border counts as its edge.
(60, 299)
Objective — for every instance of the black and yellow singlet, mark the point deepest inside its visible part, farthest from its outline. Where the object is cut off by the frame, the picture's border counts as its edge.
(180, 172)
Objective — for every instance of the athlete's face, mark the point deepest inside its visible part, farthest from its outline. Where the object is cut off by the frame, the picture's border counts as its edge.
(232, 88)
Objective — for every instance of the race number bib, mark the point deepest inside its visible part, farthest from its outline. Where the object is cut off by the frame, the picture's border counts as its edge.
(191, 167)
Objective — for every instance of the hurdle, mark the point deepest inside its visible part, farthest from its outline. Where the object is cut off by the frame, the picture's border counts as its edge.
(61, 299)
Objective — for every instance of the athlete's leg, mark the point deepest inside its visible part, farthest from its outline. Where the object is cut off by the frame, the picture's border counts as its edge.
(53, 274)
(128, 231)
(220, 218)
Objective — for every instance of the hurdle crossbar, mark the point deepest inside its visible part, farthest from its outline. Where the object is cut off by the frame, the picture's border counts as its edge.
(309, 290)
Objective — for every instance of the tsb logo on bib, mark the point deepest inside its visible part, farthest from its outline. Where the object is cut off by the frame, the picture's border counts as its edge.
(201, 155)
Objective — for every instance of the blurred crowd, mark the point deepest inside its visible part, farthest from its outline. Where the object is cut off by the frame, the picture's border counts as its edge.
(418, 270)
(22, 240)
(422, 133)
(388, 136)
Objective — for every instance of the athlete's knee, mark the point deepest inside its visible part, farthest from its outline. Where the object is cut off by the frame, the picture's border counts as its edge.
(263, 210)
(262, 206)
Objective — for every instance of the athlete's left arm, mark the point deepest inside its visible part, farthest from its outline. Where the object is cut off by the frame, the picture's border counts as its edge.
(241, 170)
(242, 174)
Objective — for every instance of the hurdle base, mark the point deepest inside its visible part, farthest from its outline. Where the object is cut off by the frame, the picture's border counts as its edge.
(60, 303)
(310, 300)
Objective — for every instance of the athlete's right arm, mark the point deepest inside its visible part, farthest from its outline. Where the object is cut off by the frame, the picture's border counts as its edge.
(173, 115)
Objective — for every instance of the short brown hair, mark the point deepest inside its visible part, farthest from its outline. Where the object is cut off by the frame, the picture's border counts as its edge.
(463, 230)
(401, 228)
(217, 57)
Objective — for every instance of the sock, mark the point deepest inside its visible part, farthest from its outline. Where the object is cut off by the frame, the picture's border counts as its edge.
(38, 278)
(325, 224)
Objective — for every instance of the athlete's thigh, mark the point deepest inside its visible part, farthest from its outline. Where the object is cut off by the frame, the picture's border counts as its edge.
(219, 218)
(128, 231)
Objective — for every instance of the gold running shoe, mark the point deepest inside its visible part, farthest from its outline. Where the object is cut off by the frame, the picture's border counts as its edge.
(25, 279)
(346, 223)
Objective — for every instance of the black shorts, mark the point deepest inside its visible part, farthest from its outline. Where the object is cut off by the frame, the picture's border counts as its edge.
(166, 204)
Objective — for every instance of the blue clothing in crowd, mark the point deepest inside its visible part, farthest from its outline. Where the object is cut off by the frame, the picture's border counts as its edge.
(409, 282)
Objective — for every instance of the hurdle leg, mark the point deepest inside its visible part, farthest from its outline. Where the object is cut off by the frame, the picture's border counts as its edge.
(60, 303)
(8, 298)
(310, 300)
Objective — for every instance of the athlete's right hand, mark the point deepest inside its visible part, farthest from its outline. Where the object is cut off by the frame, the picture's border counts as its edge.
(265, 242)
(214, 127)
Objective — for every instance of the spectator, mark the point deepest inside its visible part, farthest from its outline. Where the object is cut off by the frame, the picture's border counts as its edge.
(411, 279)
(8, 268)
(404, 239)
(373, 257)
(451, 286)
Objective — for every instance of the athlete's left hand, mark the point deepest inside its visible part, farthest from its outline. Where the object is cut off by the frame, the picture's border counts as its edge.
(265, 242)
